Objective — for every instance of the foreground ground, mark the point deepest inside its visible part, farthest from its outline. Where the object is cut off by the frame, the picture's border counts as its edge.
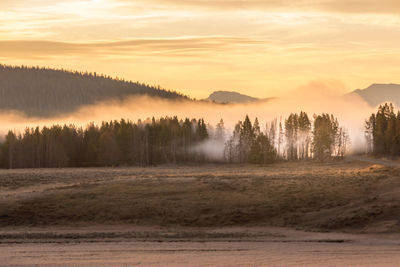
(342, 196)
(231, 246)
(215, 215)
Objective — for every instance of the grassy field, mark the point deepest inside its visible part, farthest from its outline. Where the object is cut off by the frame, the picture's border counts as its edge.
(345, 196)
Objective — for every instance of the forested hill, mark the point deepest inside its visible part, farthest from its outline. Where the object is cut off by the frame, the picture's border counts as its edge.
(48, 92)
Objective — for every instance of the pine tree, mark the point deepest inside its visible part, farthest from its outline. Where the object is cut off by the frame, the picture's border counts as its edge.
(382, 131)
(262, 151)
(280, 137)
(246, 139)
(220, 131)
(304, 139)
(324, 136)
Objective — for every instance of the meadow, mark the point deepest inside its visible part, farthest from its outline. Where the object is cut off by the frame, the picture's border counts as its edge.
(346, 195)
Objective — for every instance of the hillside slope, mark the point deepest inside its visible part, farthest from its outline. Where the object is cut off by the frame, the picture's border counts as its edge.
(379, 93)
(48, 92)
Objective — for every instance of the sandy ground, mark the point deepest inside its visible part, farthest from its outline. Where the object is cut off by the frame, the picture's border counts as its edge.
(256, 246)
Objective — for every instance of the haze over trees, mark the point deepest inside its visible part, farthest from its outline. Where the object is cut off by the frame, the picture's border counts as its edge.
(173, 141)
(115, 143)
(301, 139)
(49, 92)
(328, 137)
(249, 144)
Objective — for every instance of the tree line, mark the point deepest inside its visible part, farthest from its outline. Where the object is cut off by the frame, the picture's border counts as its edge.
(115, 143)
(171, 140)
(382, 131)
(297, 137)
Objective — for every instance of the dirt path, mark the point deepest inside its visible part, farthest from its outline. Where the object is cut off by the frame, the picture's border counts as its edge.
(208, 247)
(200, 254)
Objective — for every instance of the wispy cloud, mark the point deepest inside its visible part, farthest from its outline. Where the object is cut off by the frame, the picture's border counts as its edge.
(143, 47)
(345, 6)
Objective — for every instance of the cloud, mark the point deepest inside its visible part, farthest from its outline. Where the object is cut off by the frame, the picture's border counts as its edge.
(173, 47)
(199, 66)
(21, 3)
(258, 47)
(344, 6)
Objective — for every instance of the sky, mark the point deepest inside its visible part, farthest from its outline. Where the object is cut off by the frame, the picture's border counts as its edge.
(260, 48)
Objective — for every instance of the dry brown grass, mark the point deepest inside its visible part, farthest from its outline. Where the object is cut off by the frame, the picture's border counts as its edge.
(339, 195)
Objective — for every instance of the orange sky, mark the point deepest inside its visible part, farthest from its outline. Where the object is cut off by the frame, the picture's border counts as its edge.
(260, 48)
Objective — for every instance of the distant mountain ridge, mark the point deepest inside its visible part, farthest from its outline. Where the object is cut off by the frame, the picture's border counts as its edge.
(47, 92)
(224, 97)
(376, 94)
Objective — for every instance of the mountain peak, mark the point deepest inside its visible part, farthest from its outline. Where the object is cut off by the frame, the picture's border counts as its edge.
(378, 93)
(230, 97)
(380, 85)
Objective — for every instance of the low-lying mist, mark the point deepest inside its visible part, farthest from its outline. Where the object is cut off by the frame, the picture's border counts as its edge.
(314, 98)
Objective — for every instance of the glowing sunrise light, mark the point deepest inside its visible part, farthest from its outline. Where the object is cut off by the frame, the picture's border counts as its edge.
(196, 47)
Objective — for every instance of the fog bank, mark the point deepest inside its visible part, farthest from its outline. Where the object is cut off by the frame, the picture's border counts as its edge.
(313, 98)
